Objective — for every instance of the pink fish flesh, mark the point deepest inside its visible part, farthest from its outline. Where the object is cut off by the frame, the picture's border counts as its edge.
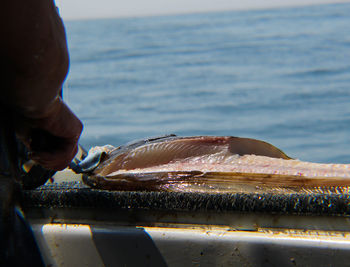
(213, 164)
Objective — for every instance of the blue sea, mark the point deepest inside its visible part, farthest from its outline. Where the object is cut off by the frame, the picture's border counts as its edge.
(279, 75)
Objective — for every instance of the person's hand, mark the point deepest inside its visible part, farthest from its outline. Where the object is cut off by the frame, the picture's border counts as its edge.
(52, 140)
(34, 63)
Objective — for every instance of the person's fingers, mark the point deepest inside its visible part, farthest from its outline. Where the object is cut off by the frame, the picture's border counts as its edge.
(52, 141)
(61, 122)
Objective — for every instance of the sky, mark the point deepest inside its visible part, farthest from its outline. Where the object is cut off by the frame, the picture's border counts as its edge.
(89, 9)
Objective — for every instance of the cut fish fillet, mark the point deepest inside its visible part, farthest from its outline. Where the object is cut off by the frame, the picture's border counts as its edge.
(213, 164)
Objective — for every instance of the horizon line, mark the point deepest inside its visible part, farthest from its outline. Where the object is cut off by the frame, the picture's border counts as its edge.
(190, 12)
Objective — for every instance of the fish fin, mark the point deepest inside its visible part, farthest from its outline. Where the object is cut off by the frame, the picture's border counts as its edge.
(218, 182)
(248, 146)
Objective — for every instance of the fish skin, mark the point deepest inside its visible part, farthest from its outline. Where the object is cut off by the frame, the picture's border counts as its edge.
(213, 164)
(164, 150)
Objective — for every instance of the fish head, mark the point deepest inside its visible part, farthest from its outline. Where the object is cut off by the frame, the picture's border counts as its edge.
(95, 156)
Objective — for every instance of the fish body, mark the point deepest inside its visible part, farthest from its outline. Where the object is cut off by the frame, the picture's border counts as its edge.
(211, 164)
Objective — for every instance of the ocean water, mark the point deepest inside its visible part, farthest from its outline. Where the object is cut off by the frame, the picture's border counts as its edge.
(279, 75)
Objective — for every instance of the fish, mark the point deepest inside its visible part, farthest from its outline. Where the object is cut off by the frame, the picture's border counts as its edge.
(214, 164)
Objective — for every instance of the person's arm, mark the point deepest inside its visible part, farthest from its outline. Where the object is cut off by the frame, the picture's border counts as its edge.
(34, 64)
